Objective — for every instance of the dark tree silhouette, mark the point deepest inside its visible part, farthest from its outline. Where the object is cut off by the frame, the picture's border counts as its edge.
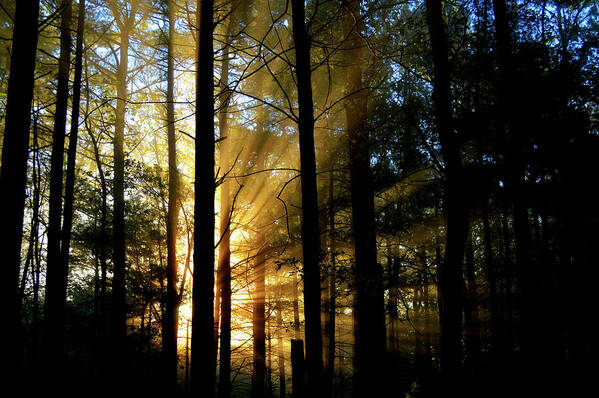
(224, 248)
(369, 325)
(13, 175)
(125, 21)
(67, 224)
(56, 278)
(202, 339)
(310, 227)
(259, 323)
(456, 211)
(172, 296)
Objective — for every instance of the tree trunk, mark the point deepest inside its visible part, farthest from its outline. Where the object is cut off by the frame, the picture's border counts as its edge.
(310, 227)
(103, 327)
(224, 248)
(258, 321)
(370, 335)
(13, 176)
(514, 185)
(169, 343)
(56, 274)
(203, 369)
(298, 369)
(118, 313)
(118, 301)
(450, 274)
(72, 151)
(35, 243)
(95, 344)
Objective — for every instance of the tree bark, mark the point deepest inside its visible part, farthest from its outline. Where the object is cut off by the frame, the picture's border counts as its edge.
(203, 369)
(118, 313)
(310, 227)
(259, 325)
(13, 176)
(169, 344)
(298, 369)
(72, 151)
(34, 242)
(103, 331)
(370, 334)
(56, 274)
(514, 184)
(456, 211)
(224, 248)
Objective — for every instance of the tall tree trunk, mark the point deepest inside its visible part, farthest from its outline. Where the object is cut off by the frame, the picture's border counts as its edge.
(95, 344)
(72, 156)
(34, 241)
(13, 176)
(169, 343)
(298, 369)
(514, 183)
(72, 151)
(259, 325)
(118, 301)
(370, 335)
(33, 229)
(103, 331)
(118, 314)
(224, 248)
(310, 227)
(56, 274)
(202, 340)
(450, 274)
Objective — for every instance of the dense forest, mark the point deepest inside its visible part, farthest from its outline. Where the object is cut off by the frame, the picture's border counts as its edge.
(289, 198)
